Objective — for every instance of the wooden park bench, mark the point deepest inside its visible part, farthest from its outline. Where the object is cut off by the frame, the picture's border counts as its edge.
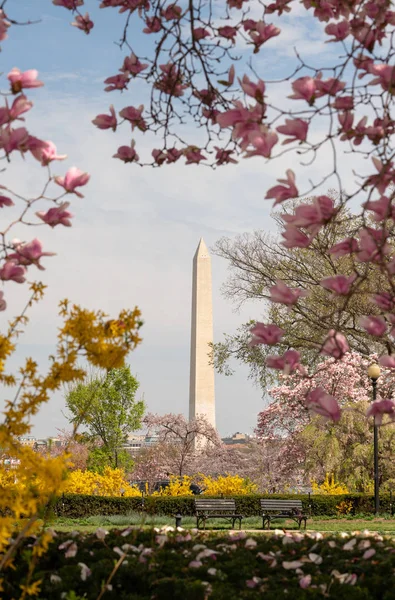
(282, 509)
(218, 508)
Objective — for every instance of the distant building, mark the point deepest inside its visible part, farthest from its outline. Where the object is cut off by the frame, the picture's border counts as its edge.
(135, 442)
(237, 439)
(28, 441)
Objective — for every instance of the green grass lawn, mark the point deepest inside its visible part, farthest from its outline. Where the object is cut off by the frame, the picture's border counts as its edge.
(385, 524)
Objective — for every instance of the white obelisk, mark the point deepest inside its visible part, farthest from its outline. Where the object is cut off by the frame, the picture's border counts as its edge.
(201, 390)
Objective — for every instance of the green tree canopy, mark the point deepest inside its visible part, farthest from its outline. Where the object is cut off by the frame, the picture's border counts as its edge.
(107, 406)
(256, 261)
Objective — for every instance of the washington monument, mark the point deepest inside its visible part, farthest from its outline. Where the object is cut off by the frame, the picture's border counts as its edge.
(201, 390)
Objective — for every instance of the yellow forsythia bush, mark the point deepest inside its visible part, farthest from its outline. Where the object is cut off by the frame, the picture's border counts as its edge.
(329, 487)
(226, 485)
(178, 486)
(111, 483)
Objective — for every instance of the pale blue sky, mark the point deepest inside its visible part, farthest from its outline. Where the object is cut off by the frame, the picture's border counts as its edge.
(136, 231)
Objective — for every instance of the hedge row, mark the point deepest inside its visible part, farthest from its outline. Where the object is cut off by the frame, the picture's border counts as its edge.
(180, 566)
(77, 506)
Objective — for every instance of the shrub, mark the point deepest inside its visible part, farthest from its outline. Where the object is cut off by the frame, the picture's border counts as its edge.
(329, 487)
(178, 486)
(111, 483)
(227, 485)
(345, 507)
(162, 565)
(75, 506)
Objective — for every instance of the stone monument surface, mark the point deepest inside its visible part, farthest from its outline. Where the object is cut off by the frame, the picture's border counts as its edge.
(202, 390)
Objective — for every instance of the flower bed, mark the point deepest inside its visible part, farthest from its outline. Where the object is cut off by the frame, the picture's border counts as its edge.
(162, 564)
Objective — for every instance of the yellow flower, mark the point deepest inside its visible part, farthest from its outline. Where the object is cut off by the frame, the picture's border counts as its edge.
(329, 487)
(32, 589)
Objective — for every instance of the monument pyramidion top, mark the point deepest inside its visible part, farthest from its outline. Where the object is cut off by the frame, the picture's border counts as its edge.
(202, 250)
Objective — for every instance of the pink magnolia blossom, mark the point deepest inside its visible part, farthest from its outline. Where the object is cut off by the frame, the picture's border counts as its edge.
(283, 294)
(84, 23)
(69, 4)
(210, 114)
(255, 90)
(19, 80)
(5, 201)
(297, 128)
(132, 5)
(170, 81)
(318, 212)
(331, 86)
(372, 244)
(287, 363)
(381, 208)
(335, 345)
(29, 253)
(127, 153)
(384, 300)
(346, 120)
(304, 89)
(374, 325)
(193, 155)
(284, 192)
(385, 76)
(3, 303)
(159, 156)
(14, 139)
(364, 63)
(106, 121)
(58, 215)
(207, 96)
(239, 114)
(74, 178)
(321, 403)
(134, 116)
(173, 154)
(294, 237)
(44, 151)
(384, 177)
(230, 80)
(343, 103)
(379, 408)
(117, 82)
(12, 271)
(279, 6)
(227, 32)
(132, 65)
(199, 33)
(4, 25)
(359, 131)
(224, 157)
(236, 3)
(387, 361)
(262, 33)
(265, 334)
(20, 105)
(263, 141)
(153, 25)
(249, 25)
(339, 30)
(347, 246)
(339, 284)
(171, 12)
